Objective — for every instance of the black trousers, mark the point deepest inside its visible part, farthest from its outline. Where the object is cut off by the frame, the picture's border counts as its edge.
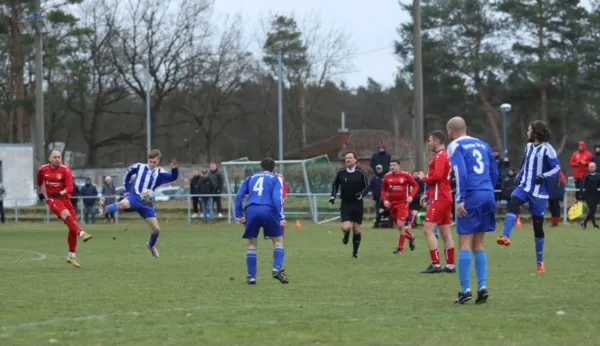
(578, 187)
(217, 201)
(2, 218)
(554, 206)
(591, 208)
(195, 202)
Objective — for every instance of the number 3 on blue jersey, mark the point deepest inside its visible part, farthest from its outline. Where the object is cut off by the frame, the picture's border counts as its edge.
(479, 168)
(258, 186)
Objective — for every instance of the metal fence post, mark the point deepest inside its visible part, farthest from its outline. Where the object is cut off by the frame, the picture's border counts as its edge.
(189, 217)
(17, 211)
(565, 207)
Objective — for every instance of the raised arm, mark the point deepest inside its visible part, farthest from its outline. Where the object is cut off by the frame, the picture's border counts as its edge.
(131, 171)
(165, 177)
(239, 198)
(552, 160)
(277, 198)
(460, 174)
(335, 185)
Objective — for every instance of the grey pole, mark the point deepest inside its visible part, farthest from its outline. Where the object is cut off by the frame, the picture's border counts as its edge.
(148, 121)
(504, 133)
(280, 107)
(418, 85)
(40, 142)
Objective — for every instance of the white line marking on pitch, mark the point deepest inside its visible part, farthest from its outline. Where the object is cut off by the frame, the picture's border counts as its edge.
(40, 255)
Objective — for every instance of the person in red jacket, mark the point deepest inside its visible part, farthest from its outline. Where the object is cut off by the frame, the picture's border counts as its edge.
(580, 161)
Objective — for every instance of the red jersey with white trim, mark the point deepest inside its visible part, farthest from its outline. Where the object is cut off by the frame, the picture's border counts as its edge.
(438, 178)
(283, 185)
(395, 187)
(55, 179)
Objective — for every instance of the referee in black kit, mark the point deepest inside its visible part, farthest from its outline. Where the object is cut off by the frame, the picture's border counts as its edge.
(352, 184)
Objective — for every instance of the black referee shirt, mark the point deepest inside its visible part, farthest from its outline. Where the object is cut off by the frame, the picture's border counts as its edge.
(350, 183)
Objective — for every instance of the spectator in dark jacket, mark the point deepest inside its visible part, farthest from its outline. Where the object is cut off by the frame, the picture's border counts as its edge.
(590, 183)
(381, 157)
(89, 193)
(2, 195)
(217, 178)
(556, 193)
(596, 155)
(498, 158)
(109, 192)
(375, 188)
(207, 188)
(508, 185)
(74, 197)
(195, 190)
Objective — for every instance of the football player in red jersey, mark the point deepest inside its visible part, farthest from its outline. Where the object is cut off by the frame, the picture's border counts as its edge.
(439, 210)
(395, 196)
(55, 185)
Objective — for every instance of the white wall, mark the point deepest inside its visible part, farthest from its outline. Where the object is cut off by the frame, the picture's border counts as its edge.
(17, 174)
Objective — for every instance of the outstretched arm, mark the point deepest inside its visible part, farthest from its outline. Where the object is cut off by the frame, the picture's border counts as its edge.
(165, 177)
(131, 171)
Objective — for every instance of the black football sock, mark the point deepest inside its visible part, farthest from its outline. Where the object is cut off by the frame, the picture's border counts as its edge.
(356, 237)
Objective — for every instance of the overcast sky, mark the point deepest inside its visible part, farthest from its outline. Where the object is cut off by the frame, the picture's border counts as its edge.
(370, 24)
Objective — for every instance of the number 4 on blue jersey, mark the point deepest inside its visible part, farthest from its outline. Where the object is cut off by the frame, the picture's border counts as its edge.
(266, 190)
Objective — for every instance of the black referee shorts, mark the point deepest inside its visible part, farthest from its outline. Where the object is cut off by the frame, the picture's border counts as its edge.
(352, 212)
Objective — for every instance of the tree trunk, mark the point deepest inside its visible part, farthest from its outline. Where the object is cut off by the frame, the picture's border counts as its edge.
(544, 100)
(490, 115)
(18, 88)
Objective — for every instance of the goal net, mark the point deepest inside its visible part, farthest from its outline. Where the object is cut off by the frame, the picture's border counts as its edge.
(309, 185)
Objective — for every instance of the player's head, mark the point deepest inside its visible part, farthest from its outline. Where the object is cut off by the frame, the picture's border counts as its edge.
(267, 164)
(350, 159)
(395, 166)
(153, 158)
(436, 140)
(456, 127)
(55, 158)
(538, 132)
(592, 167)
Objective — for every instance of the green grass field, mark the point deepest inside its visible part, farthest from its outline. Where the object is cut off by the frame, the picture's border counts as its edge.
(195, 293)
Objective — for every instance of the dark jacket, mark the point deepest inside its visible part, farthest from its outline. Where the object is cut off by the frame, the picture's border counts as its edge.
(207, 186)
(89, 190)
(75, 193)
(108, 192)
(375, 186)
(556, 187)
(381, 158)
(596, 156)
(217, 178)
(195, 185)
(416, 202)
(508, 186)
(590, 182)
(499, 160)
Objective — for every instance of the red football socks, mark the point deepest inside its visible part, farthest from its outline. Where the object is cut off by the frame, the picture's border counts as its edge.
(450, 256)
(401, 240)
(409, 235)
(72, 240)
(435, 257)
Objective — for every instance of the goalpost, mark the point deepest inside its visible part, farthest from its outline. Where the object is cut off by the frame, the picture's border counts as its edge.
(309, 185)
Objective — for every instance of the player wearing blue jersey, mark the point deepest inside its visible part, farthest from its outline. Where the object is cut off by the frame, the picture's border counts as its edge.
(264, 208)
(147, 177)
(540, 164)
(475, 170)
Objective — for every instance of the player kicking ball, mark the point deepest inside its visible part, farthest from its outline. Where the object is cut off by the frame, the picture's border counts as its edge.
(56, 180)
(540, 163)
(264, 208)
(148, 176)
(395, 196)
(476, 172)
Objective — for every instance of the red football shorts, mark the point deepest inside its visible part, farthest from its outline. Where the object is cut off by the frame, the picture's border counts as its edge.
(399, 212)
(439, 212)
(57, 205)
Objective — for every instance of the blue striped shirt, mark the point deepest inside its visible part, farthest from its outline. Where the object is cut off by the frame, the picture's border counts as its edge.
(146, 178)
(539, 160)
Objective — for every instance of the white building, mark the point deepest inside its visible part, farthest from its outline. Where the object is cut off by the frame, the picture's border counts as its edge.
(17, 174)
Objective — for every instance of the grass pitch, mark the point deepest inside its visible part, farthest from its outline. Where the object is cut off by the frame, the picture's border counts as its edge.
(195, 293)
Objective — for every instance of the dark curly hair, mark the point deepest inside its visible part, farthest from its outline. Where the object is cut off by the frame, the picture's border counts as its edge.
(540, 131)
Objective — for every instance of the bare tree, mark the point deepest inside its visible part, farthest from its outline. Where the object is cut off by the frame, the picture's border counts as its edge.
(148, 33)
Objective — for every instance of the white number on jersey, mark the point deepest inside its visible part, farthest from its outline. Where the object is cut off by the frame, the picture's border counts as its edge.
(258, 186)
(479, 168)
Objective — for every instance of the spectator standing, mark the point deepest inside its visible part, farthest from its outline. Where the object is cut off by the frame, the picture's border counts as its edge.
(2, 195)
(580, 161)
(556, 193)
(75, 197)
(207, 189)
(375, 188)
(508, 185)
(596, 156)
(499, 159)
(217, 178)
(590, 183)
(381, 157)
(109, 192)
(195, 191)
(89, 193)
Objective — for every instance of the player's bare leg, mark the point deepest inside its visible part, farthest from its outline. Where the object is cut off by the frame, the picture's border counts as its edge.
(464, 265)
(151, 245)
(251, 261)
(434, 253)
(74, 232)
(356, 238)
(346, 228)
(278, 255)
(446, 234)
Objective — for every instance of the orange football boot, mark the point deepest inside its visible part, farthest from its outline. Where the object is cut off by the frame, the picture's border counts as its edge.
(540, 267)
(503, 241)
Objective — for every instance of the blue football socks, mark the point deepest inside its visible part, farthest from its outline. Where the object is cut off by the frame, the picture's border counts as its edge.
(278, 256)
(251, 261)
(113, 208)
(464, 270)
(509, 223)
(539, 249)
(153, 239)
(481, 268)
